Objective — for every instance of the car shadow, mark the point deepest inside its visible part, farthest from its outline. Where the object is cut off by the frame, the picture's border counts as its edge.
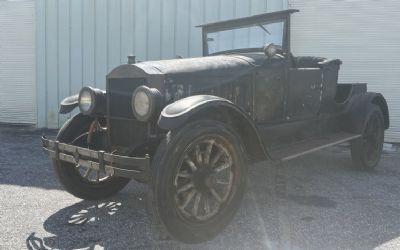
(117, 223)
(123, 223)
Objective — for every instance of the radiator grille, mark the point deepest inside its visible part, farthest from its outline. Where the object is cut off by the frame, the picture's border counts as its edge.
(125, 130)
(120, 94)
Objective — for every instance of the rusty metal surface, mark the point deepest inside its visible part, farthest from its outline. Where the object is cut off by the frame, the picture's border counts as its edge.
(270, 93)
(304, 91)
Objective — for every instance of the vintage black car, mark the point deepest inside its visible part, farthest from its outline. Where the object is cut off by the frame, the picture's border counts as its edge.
(190, 127)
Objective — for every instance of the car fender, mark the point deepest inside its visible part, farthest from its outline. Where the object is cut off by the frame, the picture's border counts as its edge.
(77, 122)
(68, 104)
(188, 109)
(356, 114)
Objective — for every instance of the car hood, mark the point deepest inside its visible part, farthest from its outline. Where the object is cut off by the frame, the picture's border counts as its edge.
(221, 68)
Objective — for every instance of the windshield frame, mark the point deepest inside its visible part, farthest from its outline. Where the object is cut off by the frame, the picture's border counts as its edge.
(250, 49)
(263, 19)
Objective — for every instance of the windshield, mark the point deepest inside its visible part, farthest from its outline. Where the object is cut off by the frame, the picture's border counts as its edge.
(255, 36)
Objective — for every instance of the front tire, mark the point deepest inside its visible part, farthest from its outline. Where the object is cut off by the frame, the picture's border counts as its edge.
(84, 183)
(366, 151)
(197, 181)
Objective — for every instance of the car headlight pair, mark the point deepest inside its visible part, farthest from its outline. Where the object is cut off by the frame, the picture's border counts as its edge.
(145, 102)
(92, 101)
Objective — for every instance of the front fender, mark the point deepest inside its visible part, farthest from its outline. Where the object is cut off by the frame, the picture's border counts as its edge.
(197, 107)
(176, 114)
(69, 104)
(74, 126)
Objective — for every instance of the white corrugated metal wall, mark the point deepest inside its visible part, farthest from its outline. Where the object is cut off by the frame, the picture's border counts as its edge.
(79, 41)
(17, 62)
(365, 34)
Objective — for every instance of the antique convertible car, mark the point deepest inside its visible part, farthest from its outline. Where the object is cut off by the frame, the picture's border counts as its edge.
(190, 127)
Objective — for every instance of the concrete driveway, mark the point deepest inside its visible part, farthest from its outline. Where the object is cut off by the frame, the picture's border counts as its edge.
(315, 202)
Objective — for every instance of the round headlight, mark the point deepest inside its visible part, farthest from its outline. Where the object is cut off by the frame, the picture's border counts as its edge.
(141, 104)
(92, 100)
(145, 102)
(85, 101)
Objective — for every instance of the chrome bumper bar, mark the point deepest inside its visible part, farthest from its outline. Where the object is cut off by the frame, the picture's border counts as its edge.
(118, 165)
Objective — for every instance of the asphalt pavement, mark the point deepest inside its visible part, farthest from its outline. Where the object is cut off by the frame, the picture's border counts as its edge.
(315, 202)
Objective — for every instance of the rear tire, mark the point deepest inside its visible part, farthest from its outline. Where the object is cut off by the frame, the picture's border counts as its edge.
(69, 175)
(366, 151)
(190, 165)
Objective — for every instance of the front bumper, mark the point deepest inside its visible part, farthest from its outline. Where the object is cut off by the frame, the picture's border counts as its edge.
(118, 165)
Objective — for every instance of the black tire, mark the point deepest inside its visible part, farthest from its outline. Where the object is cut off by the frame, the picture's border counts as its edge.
(168, 161)
(69, 176)
(366, 151)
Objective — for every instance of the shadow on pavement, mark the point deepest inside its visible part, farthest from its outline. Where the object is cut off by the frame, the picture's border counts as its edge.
(115, 223)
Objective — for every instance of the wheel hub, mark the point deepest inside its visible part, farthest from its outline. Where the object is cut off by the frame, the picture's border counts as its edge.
(203, 180)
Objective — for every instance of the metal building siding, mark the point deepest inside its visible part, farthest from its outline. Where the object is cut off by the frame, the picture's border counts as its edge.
(365, 35)
(80, 41)
(17, 62)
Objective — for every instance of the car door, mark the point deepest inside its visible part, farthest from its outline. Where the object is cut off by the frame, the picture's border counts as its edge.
(303, 99)
(269, 97)
(301, 105)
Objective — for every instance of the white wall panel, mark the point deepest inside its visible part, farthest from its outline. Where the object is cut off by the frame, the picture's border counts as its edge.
(63, 56)
(80, 41)
(17, 62)
(365, 35)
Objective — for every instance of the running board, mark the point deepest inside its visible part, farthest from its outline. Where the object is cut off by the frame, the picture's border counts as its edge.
(311, 145)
